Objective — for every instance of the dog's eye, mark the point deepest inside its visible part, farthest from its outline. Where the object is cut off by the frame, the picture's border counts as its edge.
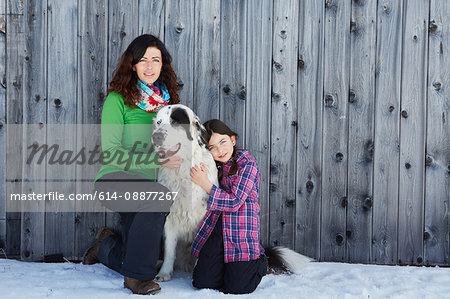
(158, 122)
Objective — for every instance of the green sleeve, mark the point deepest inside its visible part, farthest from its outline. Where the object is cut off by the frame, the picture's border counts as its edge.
(112, 129)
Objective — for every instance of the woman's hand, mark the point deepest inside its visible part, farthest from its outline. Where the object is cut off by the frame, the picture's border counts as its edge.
(171, 162)
(200, 177)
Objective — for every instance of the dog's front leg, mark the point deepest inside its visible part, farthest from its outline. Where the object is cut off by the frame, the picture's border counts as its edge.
(170, 245)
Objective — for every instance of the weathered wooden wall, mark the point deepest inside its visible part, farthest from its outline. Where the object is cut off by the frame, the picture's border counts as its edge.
(344, 104)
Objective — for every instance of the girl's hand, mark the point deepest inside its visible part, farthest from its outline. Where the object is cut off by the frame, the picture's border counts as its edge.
(200, 177)
(171, 162)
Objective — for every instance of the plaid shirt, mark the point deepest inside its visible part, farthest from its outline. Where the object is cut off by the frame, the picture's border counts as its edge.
(237, 201)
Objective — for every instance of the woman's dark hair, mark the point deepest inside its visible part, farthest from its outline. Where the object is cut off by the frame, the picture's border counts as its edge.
(219, 127)
(124, 79)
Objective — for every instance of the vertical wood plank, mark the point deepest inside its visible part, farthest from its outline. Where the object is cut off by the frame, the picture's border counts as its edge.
(387, 134)
(283, 123)
(207, 59)
(335, 130)
(437, 187)
(14, 116)
(61, 113)
(361, 125)
(258, 93)
(309, 142)
(179, 41)
(35, 110)
(2, 123)
(91, 92)
(14, 7)
(122, 30)
(233, 66)
(152, 18)
(412, 132)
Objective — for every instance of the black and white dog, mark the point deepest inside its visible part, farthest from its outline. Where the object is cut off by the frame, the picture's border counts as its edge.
(177, 130)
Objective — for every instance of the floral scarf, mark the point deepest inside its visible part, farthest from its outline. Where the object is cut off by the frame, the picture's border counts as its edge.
(153, 97)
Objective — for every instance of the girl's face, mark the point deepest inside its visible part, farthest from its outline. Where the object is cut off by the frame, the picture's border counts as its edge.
(221, 147)
(149, 66)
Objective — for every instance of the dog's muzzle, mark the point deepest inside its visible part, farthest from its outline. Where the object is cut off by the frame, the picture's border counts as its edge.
(158, 138)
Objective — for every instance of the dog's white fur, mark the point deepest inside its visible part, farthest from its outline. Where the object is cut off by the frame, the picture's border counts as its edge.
(189, 206)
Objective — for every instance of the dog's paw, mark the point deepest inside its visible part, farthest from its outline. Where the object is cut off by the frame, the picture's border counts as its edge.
(163, 277)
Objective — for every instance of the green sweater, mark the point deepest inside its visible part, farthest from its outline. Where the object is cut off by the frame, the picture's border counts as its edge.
(126, 139)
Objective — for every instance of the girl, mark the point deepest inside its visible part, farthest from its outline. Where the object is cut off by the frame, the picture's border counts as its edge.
(142, 82)
(230, 257)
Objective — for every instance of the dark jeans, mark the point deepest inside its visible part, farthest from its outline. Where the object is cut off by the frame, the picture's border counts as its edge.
(234, 278)
(135, 253)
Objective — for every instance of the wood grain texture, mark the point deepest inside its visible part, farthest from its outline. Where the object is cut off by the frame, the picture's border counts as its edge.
(92, 63)
(61, 115)
(335, 130)
(309, 136)
(179, 41)
(387, 132)
(283, 123)
(14, 116)
(258, 107)
(207, 59)
(233, 66)
(361, 130)
(2, 123)
(437, 185)
(152, 17)
(35, 113)
(412, 132)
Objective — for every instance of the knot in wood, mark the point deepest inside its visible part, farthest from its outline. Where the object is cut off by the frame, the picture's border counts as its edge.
(37, 98)
(339, 157)
(276, 96)
(1, 125)
(301, 63)
(426, 235)
(404, 114)
(309, 186)
(294, 123)
(278, 67)
(407, 165)
(57, 103)
(428, 160)
(283, 34)
(432, 27)
(420, 260)
(344, 202)
(226, 89)
(123, 34)
(351, 96)
(348, 234)
(290, 202)
(242, 94)
(339, 239)
(437, 86)
(179, 29)
(391, 108)
(352, 26)
(329, 100)
(367, 203)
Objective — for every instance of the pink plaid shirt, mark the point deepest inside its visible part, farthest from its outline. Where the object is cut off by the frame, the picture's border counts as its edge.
(237, 200)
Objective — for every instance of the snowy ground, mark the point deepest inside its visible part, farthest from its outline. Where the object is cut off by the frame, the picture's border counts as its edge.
(319, 280)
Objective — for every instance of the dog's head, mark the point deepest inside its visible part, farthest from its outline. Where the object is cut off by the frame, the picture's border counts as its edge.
(174, 128)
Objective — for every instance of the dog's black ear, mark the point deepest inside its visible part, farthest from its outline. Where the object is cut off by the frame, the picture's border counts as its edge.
(203, 134)
(180, 116)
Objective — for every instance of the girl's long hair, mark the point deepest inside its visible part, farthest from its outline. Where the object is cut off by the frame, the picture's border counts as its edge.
(124, 79)
(219, 127)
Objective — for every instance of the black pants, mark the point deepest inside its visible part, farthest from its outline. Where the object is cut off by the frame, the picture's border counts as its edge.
(136, 252)
(234, 278)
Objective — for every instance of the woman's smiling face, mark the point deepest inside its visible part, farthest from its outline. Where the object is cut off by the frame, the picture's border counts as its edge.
(221, 147)
(149, 66)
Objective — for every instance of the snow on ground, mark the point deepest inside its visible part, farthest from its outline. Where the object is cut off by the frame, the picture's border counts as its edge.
(318, 280)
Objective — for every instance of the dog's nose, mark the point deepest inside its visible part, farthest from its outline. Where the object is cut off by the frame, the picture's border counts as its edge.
(158, 138)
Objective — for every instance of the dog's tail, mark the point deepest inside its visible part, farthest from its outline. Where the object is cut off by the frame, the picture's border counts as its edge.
(284, 260)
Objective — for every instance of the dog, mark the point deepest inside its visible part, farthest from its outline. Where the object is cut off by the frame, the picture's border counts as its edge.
(178, 131)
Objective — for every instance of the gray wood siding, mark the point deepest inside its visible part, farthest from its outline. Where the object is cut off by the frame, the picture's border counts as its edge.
(344, 105)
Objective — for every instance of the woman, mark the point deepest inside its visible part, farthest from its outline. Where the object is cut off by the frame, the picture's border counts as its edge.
(143, 82)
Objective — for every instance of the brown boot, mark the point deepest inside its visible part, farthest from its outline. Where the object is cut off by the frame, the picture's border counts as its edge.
(90, 257)
(141, 287)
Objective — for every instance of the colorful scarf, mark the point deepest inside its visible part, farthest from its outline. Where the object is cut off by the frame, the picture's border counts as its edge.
(153, 97)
